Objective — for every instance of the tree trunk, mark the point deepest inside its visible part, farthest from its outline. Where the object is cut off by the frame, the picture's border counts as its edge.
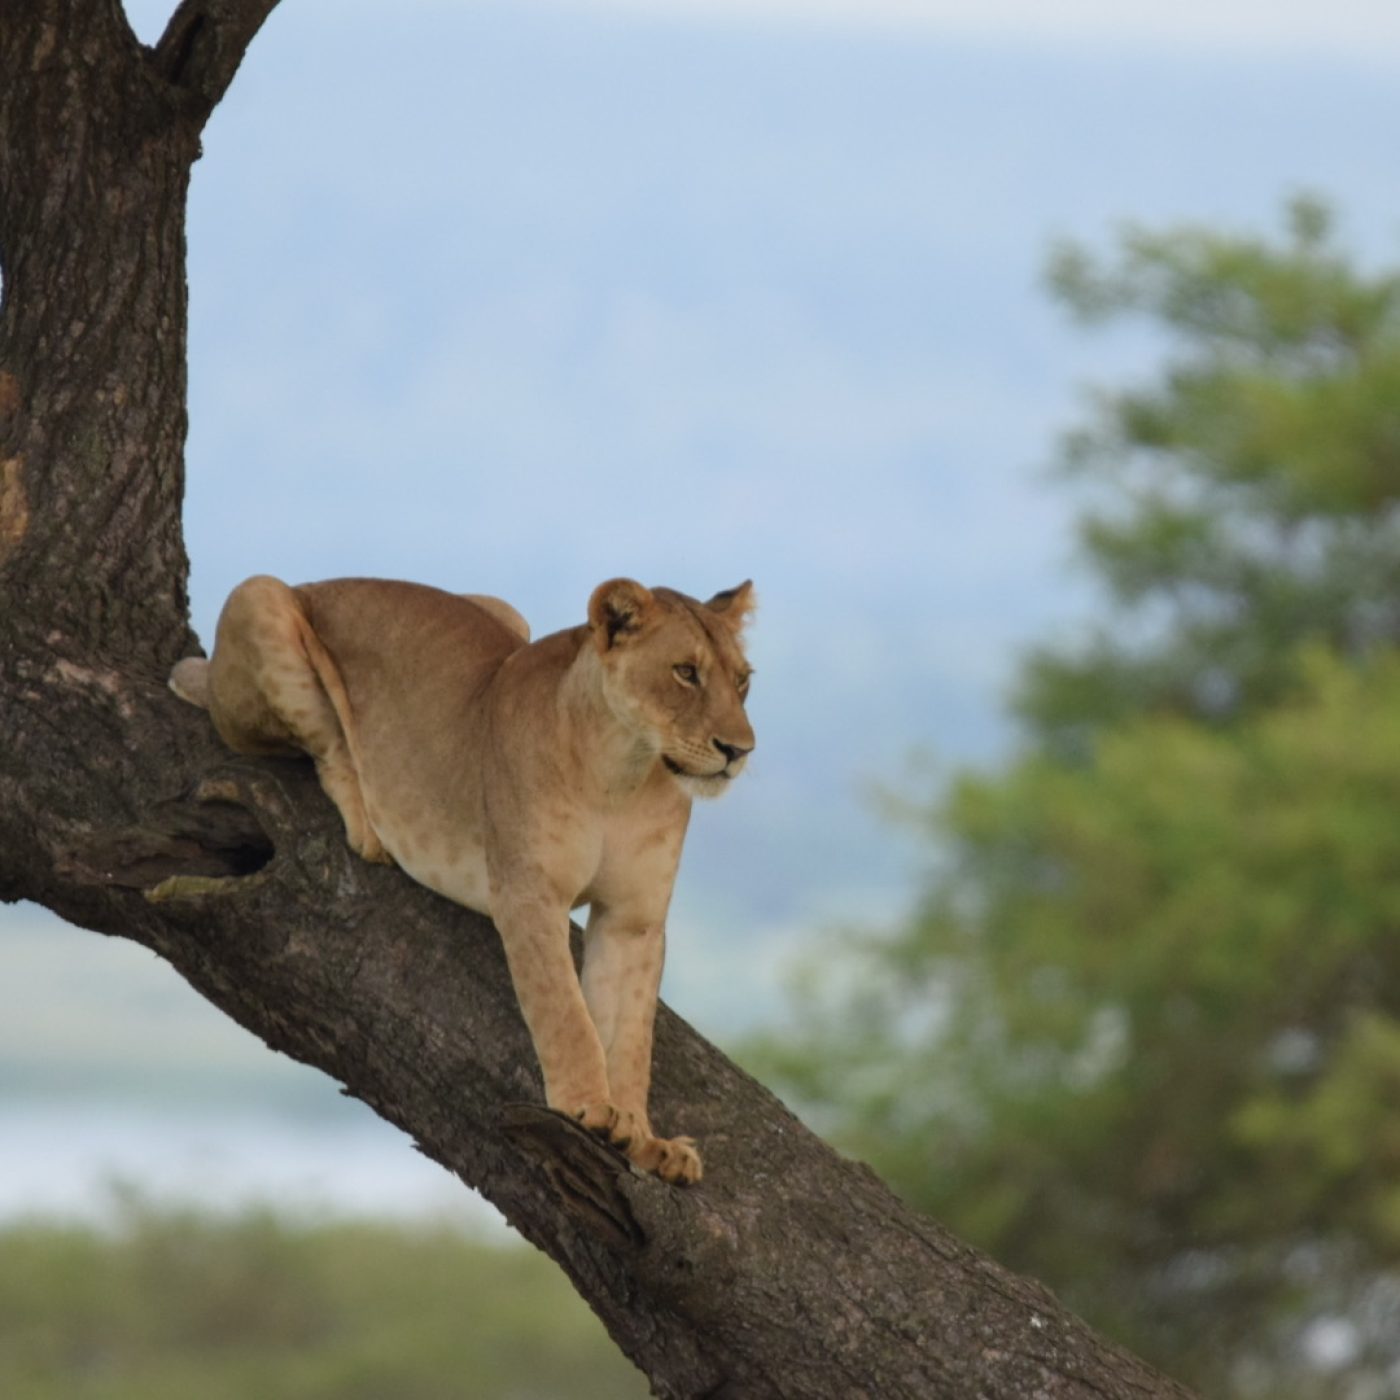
(790, 1271)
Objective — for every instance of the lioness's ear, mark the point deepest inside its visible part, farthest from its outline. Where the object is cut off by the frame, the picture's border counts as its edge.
(616, 610)
(735, 604)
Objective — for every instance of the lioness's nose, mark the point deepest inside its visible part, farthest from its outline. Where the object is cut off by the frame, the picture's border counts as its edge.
(731, 751)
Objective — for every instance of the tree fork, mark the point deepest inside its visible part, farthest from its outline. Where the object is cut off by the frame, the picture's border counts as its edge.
(790, 1271)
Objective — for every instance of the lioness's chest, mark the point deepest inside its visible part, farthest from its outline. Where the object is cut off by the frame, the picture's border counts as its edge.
(637, 859)
(626, 856)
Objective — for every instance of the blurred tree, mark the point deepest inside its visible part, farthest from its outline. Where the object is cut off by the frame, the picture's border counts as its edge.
(1245, 499)
(1142, 1036)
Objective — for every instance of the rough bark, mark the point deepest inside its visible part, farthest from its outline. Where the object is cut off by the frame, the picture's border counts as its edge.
(791, 1271)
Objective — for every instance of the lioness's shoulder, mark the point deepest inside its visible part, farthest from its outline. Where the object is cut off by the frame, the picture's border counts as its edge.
(502, 612)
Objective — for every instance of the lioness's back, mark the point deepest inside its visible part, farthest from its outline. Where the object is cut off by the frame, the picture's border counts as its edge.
(386, 635)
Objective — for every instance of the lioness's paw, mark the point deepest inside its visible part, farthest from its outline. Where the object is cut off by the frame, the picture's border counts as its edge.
(606, 1120)
(672, 1159)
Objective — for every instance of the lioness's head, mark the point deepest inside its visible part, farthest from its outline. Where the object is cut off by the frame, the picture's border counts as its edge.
(675, 668)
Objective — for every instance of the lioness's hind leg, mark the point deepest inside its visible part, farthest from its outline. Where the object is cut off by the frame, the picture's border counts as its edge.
(269, 687)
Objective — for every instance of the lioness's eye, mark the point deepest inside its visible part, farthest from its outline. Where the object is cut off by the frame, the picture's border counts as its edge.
(743, 682)
(687, 675)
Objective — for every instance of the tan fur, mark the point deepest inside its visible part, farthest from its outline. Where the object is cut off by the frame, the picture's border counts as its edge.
(519, 779)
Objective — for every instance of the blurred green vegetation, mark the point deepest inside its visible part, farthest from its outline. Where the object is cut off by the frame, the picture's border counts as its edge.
(171, 1305)
(1141, 1037)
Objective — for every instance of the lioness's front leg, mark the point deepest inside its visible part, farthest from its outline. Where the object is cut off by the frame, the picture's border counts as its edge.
(535, 934)
(623, 954)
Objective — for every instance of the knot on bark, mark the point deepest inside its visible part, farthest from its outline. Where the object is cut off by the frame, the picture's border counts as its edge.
(192, 846)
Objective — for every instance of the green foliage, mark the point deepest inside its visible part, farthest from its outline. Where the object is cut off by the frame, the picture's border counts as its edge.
(1245, 502)
(174, 1305)
(1142, 1036)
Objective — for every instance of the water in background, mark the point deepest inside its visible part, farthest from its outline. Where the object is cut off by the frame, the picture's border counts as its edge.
(73, 1158)
(115, 1075)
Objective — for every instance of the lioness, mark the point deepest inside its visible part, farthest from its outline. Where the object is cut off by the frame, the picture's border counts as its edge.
(520, 779)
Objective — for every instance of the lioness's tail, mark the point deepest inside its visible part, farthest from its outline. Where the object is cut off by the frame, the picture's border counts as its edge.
(190, 681)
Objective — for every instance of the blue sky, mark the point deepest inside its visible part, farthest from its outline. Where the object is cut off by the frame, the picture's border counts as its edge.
(1348, 28)
(515, 297)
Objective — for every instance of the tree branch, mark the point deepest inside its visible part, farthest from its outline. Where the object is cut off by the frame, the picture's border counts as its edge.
(204, 44)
